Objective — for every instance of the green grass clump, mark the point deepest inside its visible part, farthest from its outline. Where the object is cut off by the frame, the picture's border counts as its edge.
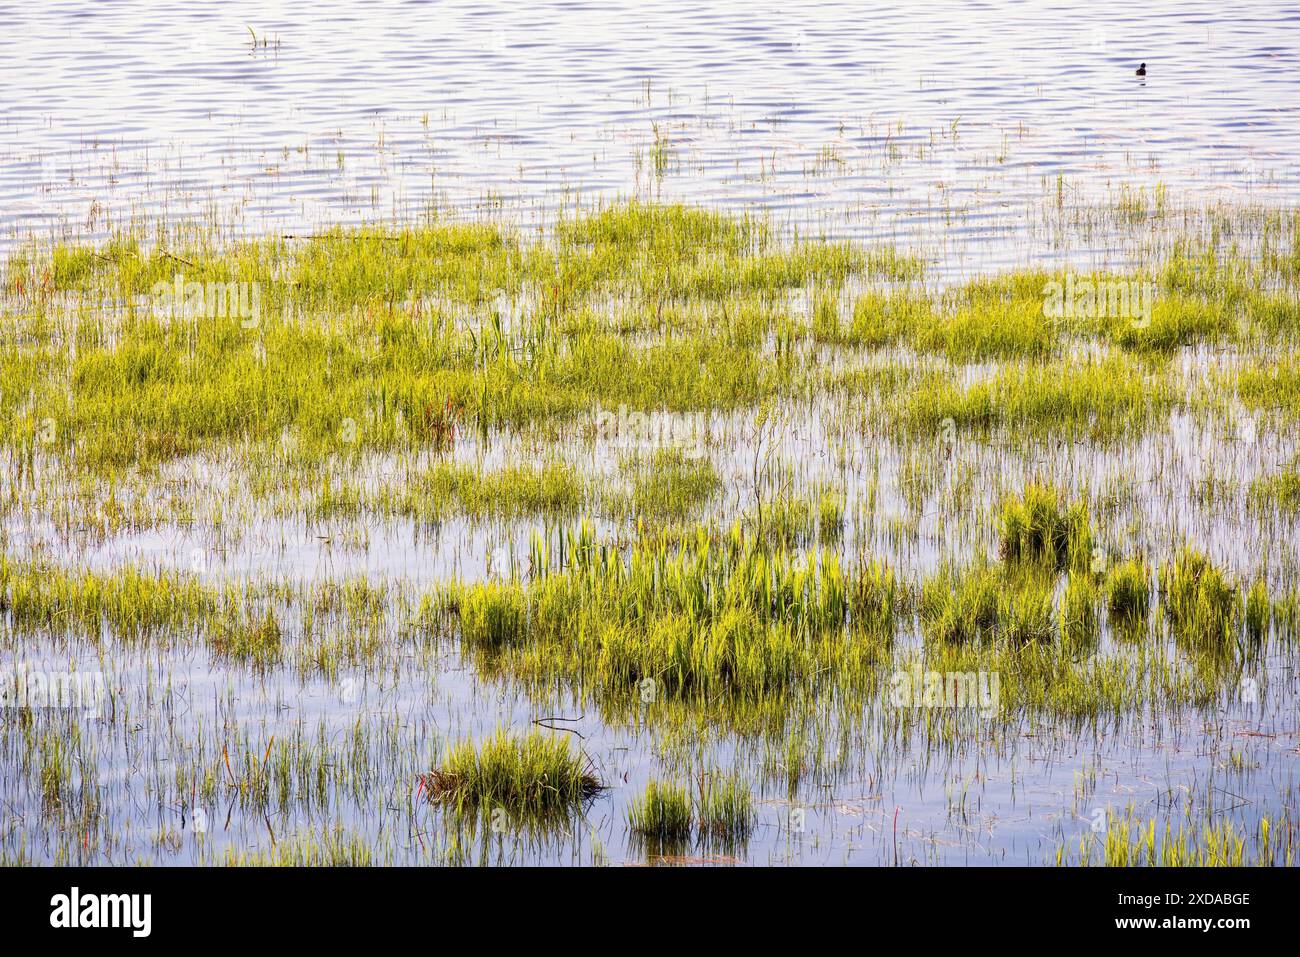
(881, 319)
(1079, 608)
(1128, 590)
(830, 515)
(1130, 841)
(493, 614)
(332, 847)
(1281, 489)
(536, 773)
(1102, 399)
(1177, 321)
(1025, 613)
(789, 522)
(1277, 314)
(1035, 527)
(960, 606)
(1258, 611)
(256, 624)
(703, 616)
(725, 808)
(555, 488)
(380, 367)
(129, 605)
(826, 325)
(1014, 608)
(874, 598)
(663, 233)
(670, 484)
(722, 810)
(1270, 385)
(996, 330)
(1201, 603)
(359, 265)
(258, 641)
(663, 812)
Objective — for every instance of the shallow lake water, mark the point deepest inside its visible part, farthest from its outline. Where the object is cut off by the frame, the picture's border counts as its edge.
(948, 128)
(942, 124)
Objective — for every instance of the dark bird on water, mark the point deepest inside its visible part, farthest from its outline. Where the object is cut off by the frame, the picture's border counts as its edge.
(1142, 70)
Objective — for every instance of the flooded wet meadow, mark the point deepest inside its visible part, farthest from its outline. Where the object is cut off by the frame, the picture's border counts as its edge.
(707, 472)
(659, 538)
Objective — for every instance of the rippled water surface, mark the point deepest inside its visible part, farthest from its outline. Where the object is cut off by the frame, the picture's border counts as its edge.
(980, 135)
(939, 123)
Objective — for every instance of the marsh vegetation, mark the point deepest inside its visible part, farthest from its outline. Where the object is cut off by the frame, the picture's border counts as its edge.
(610, 543)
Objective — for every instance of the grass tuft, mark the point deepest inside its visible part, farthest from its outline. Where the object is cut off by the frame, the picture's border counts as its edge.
(663, 812)
(534, 774)
(1201, 603)
(1035, 527)
(1128, 590)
